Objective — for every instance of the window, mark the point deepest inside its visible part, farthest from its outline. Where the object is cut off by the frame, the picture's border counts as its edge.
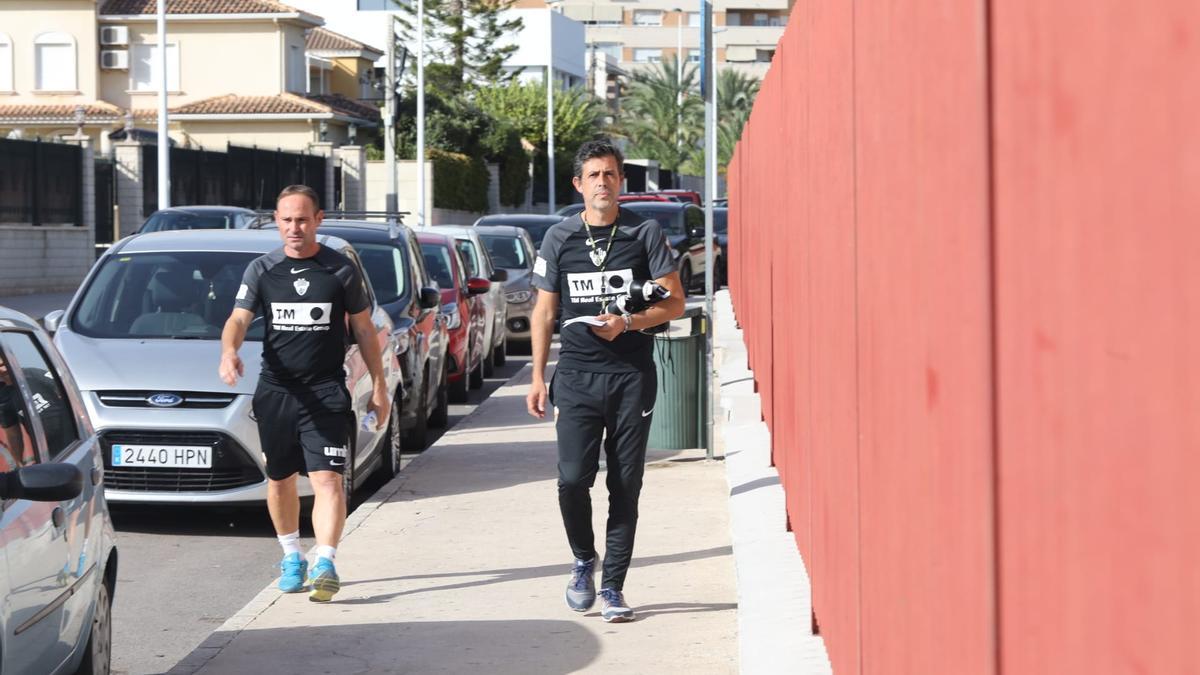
(146, 63)
(760, 19)
(385, 268)
(611, 49)
(54, 58)
(647, 55)
(506, 251)
(6, 63)
(764, 55)
(470, 256)
(733, 19)
(17, 448)
(647, 17)
(693, 19)
(437, 263)
(693, 56)
(47, 396)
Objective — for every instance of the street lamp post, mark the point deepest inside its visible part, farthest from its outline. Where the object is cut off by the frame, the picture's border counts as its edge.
(550, 108)
(678, 93)
(164, 141)
(420, 113)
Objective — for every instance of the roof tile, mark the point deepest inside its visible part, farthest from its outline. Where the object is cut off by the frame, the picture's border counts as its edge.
(136, 7)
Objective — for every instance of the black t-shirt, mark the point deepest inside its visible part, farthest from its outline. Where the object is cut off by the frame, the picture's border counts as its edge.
(305, 302)
(639, 252)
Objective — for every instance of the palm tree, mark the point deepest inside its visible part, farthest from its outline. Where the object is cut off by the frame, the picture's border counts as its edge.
(736, 92)
(663, 115)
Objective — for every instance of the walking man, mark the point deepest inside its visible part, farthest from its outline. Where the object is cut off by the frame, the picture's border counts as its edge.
(605, 383)
(301, 403)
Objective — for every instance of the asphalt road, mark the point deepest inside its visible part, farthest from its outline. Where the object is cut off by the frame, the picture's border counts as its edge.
(184, 571)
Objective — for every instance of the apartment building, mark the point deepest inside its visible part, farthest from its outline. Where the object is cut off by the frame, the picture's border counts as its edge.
(634, 34)
(237, 71)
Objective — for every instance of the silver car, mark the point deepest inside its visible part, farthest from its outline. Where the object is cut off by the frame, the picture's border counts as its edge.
(56, 538)
(511, 249)
(142, 337)
(479, 264)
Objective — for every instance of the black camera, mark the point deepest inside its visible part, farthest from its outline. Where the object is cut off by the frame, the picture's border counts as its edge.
(639, 296)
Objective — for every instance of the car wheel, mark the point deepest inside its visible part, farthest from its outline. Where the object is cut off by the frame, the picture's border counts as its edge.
(685, 277)
(392, 444)
(477, 375)
(489, 362)
(415, 438)
(501, 353)
(97, 654)
(441, 411)
(348, 472)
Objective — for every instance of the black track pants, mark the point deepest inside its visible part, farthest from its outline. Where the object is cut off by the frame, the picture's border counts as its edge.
(617, 407)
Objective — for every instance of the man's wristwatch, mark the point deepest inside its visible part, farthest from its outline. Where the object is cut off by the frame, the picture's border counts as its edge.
(628, 318)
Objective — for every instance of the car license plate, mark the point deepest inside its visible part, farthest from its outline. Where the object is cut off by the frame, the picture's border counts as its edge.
(166, 456)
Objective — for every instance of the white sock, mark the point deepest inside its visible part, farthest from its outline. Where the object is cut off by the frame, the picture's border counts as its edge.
(290, 542)
(327, 552)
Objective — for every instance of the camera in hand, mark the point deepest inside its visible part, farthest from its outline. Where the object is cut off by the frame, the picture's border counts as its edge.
(639, 296)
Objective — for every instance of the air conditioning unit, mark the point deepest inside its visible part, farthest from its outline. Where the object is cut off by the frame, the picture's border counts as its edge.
(114, 59)
(114, 35)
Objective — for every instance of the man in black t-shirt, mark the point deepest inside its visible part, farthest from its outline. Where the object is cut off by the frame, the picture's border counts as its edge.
(605, 383)
(305, 291)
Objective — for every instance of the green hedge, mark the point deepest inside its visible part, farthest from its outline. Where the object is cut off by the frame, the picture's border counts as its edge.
(459, 182)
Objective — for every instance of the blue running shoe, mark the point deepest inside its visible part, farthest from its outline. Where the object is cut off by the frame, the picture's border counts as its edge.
(581, 591)
(291, 573)
(323, 581)
(615, 610)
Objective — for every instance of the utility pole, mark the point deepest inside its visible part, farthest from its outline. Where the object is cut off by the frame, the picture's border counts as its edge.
(420, 113)
(679, 94)
(164, 140)
(389, 116)
(708, 76)
(550, 109)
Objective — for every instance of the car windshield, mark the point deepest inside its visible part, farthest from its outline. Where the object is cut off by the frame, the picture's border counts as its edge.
(437, 263)
(507, 251)
(181, 295)
(466, 248)
(181, 220)
(387, 270)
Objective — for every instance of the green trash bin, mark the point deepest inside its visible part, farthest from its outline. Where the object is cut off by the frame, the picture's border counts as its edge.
(678, 421)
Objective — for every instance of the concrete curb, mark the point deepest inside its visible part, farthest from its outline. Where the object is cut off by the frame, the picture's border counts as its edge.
(774, 591)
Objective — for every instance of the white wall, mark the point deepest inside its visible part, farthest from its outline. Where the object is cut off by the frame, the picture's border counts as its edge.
(406, 180)
(343, 16)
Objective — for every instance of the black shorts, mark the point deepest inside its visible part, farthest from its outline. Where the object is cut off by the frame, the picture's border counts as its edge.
(303, 431)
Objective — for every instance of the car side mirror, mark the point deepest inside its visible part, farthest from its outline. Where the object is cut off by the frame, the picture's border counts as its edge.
(477, 285)
(52, 320)
(429, 298)
(499, 275)
(42, 483)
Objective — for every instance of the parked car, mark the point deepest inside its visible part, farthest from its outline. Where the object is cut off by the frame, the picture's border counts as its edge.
(683, 225)
(683, 195)
(393, 261)
(462, 311)
(479, 264)
(566, 212)
(142, 337)
(199, 218)
(511, 249)
(536, 225)
(721, 233)
(56, 537)
(721, 201)
(644, 197)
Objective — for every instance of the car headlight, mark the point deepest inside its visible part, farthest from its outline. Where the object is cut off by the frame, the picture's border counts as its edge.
(451, 316)
(517, 297)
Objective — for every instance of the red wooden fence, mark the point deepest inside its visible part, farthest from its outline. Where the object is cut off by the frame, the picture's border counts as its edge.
(965, 251)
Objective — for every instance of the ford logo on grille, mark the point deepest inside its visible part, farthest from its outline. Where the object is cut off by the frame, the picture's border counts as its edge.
(164, 400)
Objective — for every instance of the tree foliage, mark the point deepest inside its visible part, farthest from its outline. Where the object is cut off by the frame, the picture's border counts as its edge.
(463, 43)
(659, 122)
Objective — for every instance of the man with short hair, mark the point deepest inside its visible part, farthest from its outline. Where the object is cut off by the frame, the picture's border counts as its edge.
(305, 292)
(605, 384)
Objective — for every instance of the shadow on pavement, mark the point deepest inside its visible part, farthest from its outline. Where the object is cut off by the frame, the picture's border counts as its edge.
(522, 573)
(511, 646)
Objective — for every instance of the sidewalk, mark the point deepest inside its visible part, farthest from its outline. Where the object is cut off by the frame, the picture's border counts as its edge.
(459, 565)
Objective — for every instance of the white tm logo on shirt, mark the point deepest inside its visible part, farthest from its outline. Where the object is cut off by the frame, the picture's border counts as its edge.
(598, 286)
(301, 316)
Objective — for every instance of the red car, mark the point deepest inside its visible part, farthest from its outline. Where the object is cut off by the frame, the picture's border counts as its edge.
(462, 310)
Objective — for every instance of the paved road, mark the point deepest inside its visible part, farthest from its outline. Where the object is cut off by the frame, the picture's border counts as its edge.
(183, 572)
